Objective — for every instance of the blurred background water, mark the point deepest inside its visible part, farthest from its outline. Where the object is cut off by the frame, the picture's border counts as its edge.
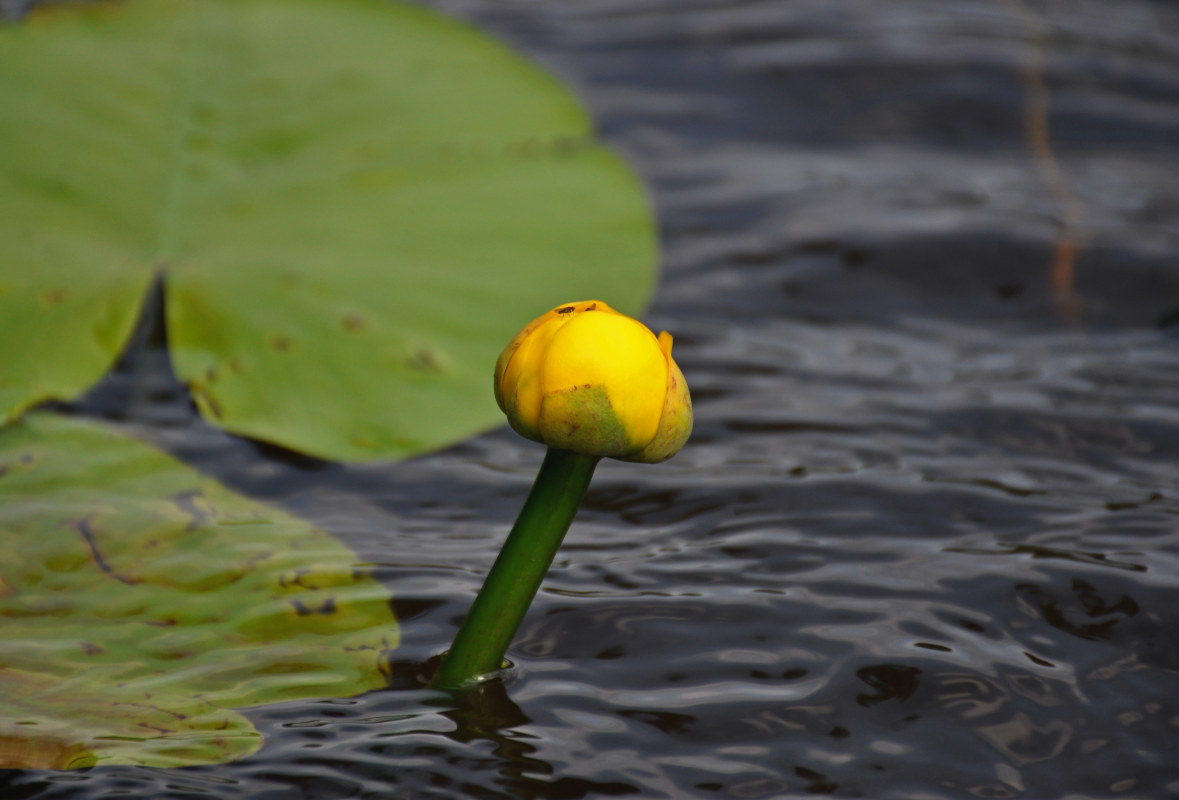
(921, 260)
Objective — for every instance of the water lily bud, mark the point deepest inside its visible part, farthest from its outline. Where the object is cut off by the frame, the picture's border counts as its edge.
(585, 378)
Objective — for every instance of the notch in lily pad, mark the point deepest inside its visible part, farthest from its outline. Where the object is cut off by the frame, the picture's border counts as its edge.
(350, 203)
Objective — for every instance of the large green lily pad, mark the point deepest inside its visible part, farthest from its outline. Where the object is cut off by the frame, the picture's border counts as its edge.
(354, 204)
(141, 603)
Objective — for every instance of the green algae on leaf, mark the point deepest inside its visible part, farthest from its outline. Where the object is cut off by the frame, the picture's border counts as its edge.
(352, 204)
(141, 603)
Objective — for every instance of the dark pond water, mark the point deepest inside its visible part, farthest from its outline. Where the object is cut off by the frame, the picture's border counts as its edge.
(922, 266)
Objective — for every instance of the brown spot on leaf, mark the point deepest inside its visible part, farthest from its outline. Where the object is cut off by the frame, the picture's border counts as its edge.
(423, 359)
(235, 366)
(173, 655)
(92, 649)
(327, 607)
(53, 297)
(280, 343)
(157, 729)
(353, 322)
(293, 578)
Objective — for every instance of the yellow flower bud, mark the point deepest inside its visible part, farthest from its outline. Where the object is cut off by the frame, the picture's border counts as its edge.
(585, 378)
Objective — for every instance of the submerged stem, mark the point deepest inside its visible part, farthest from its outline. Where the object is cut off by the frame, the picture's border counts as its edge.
(518, 571)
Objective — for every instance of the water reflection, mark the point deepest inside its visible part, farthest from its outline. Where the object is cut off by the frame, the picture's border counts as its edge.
(888, 682)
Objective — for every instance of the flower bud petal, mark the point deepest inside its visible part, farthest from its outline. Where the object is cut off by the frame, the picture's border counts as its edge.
(675, 422)
(585, 378)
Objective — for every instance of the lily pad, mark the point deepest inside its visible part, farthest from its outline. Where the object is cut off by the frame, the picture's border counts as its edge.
(352, 203)
(142, 602)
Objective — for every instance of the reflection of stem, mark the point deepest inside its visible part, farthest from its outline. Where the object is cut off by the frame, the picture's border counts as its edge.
(1037, 101)
(486, 712)
(518, 571)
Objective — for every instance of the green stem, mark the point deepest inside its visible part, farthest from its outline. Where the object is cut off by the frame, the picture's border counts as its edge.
(518, 571)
